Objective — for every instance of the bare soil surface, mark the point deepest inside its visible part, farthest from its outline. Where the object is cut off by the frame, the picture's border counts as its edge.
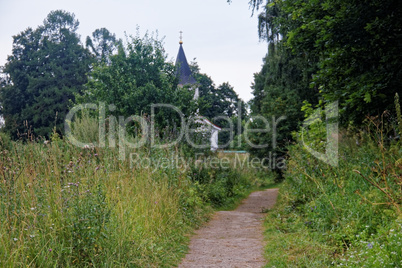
(232, 238)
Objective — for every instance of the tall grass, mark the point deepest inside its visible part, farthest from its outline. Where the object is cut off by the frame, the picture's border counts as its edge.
(348, 215)
(61, 205)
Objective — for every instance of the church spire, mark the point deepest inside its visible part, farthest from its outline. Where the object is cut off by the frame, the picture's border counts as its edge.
(183, 69)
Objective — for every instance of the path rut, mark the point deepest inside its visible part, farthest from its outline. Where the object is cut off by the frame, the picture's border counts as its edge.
(232, 238)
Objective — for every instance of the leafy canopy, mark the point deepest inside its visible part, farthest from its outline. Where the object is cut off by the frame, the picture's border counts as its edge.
(47, 67)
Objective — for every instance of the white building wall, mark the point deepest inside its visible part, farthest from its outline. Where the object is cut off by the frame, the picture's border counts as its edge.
(214, 139)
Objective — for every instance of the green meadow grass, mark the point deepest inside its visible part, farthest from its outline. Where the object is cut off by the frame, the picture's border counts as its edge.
(348, 215)
(64, 206)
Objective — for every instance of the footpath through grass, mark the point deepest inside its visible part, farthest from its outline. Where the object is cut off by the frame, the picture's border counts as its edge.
(64, 206)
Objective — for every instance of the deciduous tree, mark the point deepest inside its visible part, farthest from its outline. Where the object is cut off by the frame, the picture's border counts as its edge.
(47, 66)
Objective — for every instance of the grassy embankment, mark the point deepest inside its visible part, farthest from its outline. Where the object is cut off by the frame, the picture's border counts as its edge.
(63, 206)
(348, 215)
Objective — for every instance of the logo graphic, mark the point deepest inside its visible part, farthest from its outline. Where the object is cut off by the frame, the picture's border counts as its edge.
(331, 153)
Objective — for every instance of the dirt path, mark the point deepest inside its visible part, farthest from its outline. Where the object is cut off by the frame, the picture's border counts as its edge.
(232, 238)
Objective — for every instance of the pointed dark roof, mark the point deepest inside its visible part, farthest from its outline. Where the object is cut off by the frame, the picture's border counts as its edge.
(183, 71)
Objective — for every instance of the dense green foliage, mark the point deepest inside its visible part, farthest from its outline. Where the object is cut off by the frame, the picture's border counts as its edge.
(358, 45)
(353, 47)
(279, 91)
(47, 66)
(134, 79)
(321, 52)
(348, 215)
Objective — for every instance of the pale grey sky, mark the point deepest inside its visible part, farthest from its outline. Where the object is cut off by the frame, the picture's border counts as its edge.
(223, 38)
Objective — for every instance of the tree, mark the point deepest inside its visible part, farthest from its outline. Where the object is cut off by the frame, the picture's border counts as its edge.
(219, 104)
(103, 44)
(281, 86)
(215, 101)
(279, 90)
(325, 51)
(47, 66)
(137, 77)
(355, 45)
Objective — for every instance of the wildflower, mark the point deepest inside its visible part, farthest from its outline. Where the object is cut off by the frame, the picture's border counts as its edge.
(50, 250)
(32, 209)
(369, 245)
(15, 239)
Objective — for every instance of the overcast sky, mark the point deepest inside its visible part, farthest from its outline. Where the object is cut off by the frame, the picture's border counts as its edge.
(223, 38)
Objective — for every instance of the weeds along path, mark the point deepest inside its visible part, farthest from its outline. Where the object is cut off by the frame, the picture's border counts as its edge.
(232, 238)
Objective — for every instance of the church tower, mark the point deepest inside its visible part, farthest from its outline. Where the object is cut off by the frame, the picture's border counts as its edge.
(186, 78)
(183, 70)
